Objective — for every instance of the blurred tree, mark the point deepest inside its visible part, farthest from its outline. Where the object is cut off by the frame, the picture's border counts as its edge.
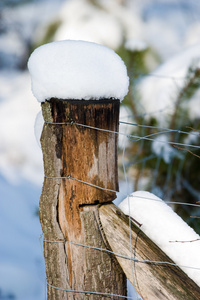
(170, 173)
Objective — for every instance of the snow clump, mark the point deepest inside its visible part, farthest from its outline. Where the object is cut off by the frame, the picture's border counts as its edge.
(77, 70)
(159, 91)
(163, 226)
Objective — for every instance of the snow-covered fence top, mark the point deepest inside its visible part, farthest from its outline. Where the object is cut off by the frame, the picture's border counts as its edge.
(77, 70)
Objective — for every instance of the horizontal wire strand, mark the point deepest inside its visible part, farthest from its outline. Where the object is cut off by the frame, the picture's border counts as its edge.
(114, 191)
(160, 76)
(159, 128)
(89, 292)
(124, 256)
(131, 137)
(110, 190)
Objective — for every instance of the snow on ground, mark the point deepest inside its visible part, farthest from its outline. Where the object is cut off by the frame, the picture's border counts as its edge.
(77, 70)
(107, 23)
(20, 156)
(81, 21)
(22, 274)
(169, 26)
(20, 26)
(159, 92)
(21, 171)
(163, 226)
(131, 23)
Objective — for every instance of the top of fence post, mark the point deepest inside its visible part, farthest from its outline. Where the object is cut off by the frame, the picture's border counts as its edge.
(79, 143)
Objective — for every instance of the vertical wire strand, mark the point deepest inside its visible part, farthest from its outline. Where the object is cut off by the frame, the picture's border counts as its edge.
(130, 236)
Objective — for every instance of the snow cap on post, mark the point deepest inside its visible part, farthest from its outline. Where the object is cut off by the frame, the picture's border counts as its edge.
(77, 70)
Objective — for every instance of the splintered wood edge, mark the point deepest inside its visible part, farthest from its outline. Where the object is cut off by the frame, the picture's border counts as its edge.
(151, 280)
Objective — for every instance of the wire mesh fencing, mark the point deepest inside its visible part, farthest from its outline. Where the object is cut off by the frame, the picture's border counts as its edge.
(151, 158)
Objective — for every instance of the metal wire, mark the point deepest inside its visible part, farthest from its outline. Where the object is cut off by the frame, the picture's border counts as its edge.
(132, 259)
(124, 256)
(114, 191)
(131, 137)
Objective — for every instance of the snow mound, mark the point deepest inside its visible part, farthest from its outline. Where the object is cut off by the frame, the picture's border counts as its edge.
(77, 70)
(159, 92)
(163, 226)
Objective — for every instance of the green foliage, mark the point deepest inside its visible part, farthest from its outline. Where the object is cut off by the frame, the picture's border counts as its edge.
(49, 34)
(137, 67)
(175, 180)
(191, 86)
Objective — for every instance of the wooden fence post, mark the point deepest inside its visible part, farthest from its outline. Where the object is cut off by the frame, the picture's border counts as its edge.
(154, 275)
(69, 207)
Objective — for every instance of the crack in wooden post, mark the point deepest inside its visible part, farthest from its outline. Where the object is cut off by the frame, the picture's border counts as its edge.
(156, 276)
(65, 206)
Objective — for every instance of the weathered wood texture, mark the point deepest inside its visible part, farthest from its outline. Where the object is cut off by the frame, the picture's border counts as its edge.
(68, 208)
(151, 280)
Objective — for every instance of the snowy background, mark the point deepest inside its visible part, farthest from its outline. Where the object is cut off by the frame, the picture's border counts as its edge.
(169, 28)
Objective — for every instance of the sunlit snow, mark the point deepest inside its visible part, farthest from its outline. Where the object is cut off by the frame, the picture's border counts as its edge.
(159, 92)
(163, 226)
(77, 70)
(26, 24)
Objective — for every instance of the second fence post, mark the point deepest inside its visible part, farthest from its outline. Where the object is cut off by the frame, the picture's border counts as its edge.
(80, 165)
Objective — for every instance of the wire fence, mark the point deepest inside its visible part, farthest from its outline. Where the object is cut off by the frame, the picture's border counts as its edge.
(153, 158)
(161, 159)
(135, 139)
(131, 259)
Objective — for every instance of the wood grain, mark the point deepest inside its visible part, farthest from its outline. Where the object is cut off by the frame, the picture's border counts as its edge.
(68, 208)
(151, 280)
